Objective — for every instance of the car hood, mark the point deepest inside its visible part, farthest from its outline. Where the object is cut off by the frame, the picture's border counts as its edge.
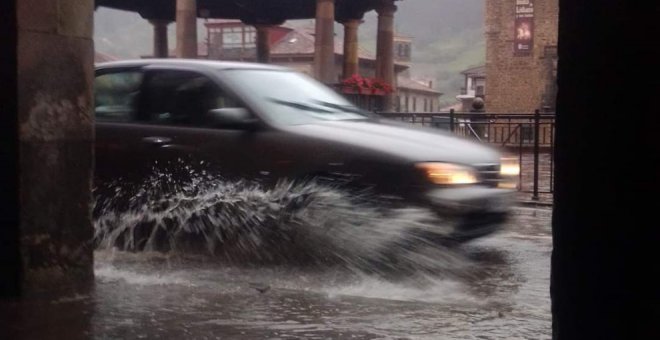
(402, 141)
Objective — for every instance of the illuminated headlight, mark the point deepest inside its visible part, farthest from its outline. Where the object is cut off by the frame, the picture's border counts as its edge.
(509, 172)
(509, 166)
(448, 174)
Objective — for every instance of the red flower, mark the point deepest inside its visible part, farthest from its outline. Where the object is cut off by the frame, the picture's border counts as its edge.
(366, 85)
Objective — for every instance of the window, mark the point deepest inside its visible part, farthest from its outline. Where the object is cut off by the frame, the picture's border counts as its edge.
(426, 103)
(407, 104)
(181, 98)
(238, 37)
(414, 104)
(291, 98)
(527, 133)
(115, 95)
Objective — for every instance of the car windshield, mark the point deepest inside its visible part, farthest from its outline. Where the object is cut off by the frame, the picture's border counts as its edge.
(292, 98)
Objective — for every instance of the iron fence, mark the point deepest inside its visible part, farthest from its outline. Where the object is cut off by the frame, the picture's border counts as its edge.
(530, 136)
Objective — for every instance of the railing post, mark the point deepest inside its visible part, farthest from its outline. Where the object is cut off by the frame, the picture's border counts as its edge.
(451, 120)
(537, 125)
(520, 156)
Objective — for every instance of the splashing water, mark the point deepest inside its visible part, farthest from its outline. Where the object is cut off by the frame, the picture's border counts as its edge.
(294, 222)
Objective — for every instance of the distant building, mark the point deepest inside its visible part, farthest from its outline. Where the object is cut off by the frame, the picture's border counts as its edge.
(416, 96)
(521, 54)
(474, 87)
(403, 52)
(294, 48)
(289, 46)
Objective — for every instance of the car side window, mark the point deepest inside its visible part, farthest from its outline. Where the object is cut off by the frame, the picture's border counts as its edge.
(182, 98)
(115, 95)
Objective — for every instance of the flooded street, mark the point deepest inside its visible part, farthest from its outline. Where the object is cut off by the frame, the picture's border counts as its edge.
(496, 287)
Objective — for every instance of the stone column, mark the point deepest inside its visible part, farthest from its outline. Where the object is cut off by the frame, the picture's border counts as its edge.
(324, 45)
(55, 68)
(161, 49)
(351, 53)
(263, 43)
(186, 29)
(385, 47)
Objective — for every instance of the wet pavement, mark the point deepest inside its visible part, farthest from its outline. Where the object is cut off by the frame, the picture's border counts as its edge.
(493, 288)
(545, 178)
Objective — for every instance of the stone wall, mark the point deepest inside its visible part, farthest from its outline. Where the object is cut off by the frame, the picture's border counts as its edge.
(55, 130)
(519, 83)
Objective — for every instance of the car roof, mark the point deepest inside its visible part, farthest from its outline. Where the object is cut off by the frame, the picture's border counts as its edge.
(193, 63)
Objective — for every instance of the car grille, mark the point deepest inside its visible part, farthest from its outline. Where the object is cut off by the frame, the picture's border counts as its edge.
(489, 174)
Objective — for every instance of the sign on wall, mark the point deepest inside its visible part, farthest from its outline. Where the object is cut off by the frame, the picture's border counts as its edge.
(524, 28)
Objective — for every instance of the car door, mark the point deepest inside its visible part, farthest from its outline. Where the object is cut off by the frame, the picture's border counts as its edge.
(174, 106)
(120, 154)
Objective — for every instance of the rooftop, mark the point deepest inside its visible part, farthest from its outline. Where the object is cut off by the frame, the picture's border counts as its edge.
(413, 85)
(478, 71)
(190, 62)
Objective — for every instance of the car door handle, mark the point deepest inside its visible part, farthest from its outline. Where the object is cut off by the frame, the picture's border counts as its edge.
(157, 141)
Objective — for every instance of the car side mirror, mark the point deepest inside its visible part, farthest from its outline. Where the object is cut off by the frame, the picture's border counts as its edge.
(233, 118)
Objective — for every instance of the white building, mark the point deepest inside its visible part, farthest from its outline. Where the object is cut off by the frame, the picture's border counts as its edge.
(475, 86)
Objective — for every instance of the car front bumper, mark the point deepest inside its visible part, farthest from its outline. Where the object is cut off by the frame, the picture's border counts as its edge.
(472, 211)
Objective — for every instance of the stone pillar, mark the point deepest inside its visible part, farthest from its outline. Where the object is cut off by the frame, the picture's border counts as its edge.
(10, 263)
(186, 29)
(324, 45)
(385, 48)
(161, 49)
(55, 68)
(351, 53)
(263, 43)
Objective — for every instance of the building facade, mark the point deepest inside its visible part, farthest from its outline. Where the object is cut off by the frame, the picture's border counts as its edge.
(473, 87)
(521, 54)
(416, 96)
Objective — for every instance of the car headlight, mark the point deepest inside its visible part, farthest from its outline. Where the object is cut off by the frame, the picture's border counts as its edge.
(509, 166)
(448, 174)
(509, 172)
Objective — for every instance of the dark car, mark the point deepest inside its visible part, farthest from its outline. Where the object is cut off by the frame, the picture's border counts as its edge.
(266, 123)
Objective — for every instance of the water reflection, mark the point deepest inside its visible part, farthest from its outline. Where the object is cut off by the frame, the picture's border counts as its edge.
(68, 317)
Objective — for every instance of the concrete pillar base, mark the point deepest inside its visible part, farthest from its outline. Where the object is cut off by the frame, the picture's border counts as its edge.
(161, 48)
(186, 29)
(55, 58)
(324, 56)
(385, 49)
(263, 43)
(351, 51)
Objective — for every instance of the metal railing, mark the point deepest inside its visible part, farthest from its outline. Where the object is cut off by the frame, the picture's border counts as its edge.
(531, 136)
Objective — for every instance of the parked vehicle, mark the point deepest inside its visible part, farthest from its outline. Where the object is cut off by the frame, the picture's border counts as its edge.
(266, 123)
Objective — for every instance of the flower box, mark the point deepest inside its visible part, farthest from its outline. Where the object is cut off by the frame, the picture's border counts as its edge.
(361, 91)
(357, 84)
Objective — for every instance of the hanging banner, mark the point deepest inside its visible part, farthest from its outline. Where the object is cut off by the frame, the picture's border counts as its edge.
(524, 28)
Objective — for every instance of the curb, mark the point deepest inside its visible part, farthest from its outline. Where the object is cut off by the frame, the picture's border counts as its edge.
(535, 204)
